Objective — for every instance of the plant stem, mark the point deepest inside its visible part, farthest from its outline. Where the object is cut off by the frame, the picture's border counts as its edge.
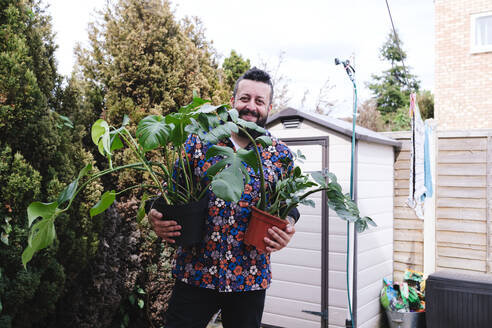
(134, 147)
(97, 176)
(189, 183)
(180, 190)
(294, 204)
(157, 173)
(136, 186)
(203, 192)
(262, 205)
(162, 167)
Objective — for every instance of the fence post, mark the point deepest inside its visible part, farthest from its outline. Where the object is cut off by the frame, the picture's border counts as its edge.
(488, 210)
(430, 208)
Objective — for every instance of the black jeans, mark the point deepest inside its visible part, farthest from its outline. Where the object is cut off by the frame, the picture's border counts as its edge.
(193, 307)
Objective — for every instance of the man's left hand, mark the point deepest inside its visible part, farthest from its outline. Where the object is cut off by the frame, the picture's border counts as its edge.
(279, 238)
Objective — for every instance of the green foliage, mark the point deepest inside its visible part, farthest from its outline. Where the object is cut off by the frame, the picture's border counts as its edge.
(147, 61)
(37, 155)
(234, 66)
(141, 60)
(230, 172)
(39, 288)
(425, 100)
(296, 187)
(392, 88)
(167, 134)
(397, 121)
(19, 182)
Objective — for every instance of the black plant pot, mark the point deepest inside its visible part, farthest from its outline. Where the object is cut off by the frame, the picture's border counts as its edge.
(191, 217)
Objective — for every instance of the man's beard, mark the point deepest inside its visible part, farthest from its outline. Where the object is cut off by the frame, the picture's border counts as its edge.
(259, 121)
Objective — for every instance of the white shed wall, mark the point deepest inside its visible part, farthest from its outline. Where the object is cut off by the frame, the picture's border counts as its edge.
(339, 164)
(375, 246)
(296, 285)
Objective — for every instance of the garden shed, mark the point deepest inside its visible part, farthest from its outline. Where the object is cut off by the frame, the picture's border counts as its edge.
(309, 287)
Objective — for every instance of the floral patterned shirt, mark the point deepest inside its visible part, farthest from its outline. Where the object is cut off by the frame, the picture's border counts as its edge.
(223, 262)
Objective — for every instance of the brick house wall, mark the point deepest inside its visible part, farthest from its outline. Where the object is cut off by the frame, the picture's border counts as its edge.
(463, 80)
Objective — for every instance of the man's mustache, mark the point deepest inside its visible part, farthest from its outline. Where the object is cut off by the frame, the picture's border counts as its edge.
(246, 111)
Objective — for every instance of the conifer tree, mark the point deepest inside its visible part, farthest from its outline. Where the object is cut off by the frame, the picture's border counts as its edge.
(37, 159)
(392, 88)
(234, 66)
(144, 61)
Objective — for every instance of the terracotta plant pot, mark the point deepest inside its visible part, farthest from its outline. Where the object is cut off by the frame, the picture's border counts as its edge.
(259, 224)
(191, 217)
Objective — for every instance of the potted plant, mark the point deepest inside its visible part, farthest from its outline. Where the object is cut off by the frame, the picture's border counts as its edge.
(288, 192)
(173, 180)
(170, 178)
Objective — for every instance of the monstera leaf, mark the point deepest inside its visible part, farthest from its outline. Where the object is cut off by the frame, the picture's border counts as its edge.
(212, 124)
(230, 173)
(101, 137)
(153, 132)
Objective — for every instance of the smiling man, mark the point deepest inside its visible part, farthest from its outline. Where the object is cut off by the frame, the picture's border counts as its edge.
(222, 272)
(252, 97)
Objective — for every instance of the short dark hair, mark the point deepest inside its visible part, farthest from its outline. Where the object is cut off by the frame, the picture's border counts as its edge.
(255, 74)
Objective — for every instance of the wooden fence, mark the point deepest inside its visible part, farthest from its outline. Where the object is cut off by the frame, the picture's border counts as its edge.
(462, 212)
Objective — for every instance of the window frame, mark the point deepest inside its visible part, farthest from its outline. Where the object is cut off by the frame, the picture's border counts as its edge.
(474, 48)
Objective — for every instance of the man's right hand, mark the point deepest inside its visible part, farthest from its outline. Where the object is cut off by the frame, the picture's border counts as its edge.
(166, 229)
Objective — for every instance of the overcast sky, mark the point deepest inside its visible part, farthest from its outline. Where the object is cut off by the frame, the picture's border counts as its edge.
(310, 33)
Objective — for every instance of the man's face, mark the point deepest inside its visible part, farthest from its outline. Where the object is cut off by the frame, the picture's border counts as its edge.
(252, 101)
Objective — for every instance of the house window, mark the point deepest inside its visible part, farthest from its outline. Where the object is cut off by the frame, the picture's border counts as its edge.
(481, 32)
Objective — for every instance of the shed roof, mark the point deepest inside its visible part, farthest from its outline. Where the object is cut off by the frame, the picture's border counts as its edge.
(334, 124)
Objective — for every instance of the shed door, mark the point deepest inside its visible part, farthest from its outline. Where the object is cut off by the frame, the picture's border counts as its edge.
(300, 275)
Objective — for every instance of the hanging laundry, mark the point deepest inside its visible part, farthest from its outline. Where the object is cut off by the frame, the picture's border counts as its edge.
(417, 183)
(427, 165)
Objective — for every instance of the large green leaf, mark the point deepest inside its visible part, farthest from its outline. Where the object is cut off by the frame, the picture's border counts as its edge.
(104, 203)
(220, 132)
(42, 235)
(250, 125)
(211, 127)
(219, 151)
(116, 142)
(69, 192)
(308, 202)
(228, 183)
(216, 168)
(195, 103)
(38, 209)
(296, 172)
(100, 136)
(234, 115)
(178, 121)
(152, 132)
(319, 177)
(207, 108)
(141, 209)
(264, 141)
(249, 157)
(223, 113)
(86, 169)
